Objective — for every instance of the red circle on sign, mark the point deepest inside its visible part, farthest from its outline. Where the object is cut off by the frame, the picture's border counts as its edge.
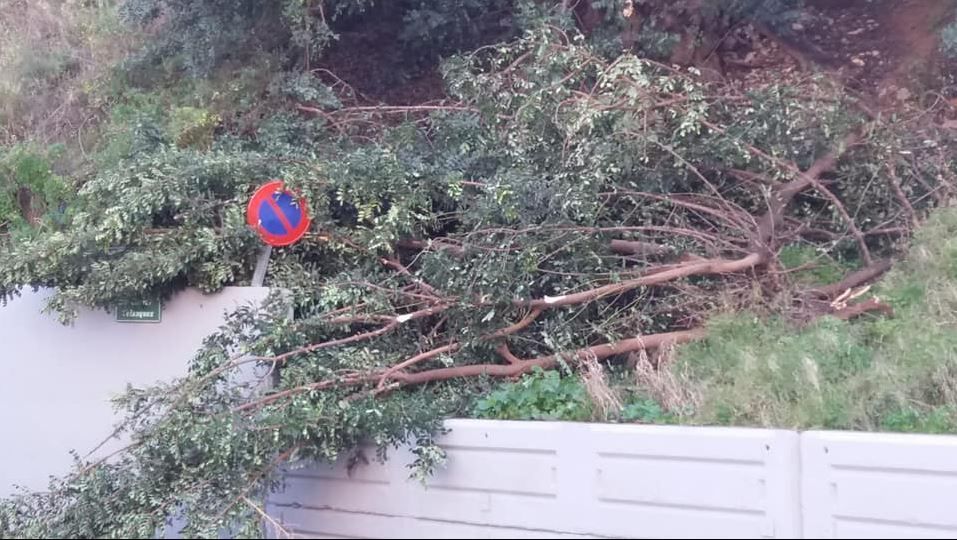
(271, 195)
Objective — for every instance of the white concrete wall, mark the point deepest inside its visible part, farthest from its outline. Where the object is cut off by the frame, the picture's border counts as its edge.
(555, 480)
(56, 381)
(558, 480)
(862, 485)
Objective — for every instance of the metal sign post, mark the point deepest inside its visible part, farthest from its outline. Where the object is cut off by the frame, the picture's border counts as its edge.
(262, 265)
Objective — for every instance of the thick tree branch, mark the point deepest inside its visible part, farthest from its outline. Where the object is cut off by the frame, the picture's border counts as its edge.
(415, 360)
(436, 244)
(707, 267)
(854, 279)
(514, 368)
(386, 109)
(729, 215)
(895, 184)
(633, 247)
(597, 352)
(395, 264)
(319, 385)
(781, 197)
(520, 325)
(506, 353)
(851, 225)
(452, 347)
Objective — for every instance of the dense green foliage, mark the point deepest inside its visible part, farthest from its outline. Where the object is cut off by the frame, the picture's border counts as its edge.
(29, 189)
(543, 395)
(521, 223)
(647, 411)
(550, 395)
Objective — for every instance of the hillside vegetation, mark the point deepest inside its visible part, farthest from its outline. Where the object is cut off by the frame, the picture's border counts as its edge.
(732, 212)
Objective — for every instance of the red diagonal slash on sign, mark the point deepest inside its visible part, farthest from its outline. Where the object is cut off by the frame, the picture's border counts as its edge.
(279, 213)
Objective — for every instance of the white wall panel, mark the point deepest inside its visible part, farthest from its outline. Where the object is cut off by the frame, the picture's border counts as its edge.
(879, 485)
(57, 381)
(552, 479)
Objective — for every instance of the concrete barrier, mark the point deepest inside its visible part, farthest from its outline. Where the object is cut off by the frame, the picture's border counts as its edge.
(557, 480)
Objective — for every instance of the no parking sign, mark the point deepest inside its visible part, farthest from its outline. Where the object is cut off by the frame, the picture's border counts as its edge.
(279, 216)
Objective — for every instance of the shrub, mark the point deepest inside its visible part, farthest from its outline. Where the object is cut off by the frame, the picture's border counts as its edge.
(542, 395)
(29, 188)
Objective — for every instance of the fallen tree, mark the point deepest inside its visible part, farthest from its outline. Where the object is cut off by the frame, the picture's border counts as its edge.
(559, 207)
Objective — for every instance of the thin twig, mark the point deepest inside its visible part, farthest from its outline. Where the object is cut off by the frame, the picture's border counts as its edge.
(392, 325)
(895, 184)
(280, 530)
(257, 477)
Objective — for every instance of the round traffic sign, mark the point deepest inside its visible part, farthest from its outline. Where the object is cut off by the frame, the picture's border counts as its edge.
(279, 216)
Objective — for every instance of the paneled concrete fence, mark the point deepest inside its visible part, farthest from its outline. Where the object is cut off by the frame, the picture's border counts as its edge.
(559, 480)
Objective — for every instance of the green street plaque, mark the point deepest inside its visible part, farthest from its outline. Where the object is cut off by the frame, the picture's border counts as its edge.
(146, 311)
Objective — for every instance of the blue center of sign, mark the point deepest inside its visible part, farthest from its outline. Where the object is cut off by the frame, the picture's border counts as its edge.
(272, 222)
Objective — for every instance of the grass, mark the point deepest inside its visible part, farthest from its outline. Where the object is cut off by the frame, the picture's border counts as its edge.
(809, 267)
(52, 55)
(895, 374)
(874, 374)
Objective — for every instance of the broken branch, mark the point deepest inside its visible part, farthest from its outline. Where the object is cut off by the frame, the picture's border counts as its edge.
(393, 323)
(707, 267)
(854, 279)
(599, 352)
